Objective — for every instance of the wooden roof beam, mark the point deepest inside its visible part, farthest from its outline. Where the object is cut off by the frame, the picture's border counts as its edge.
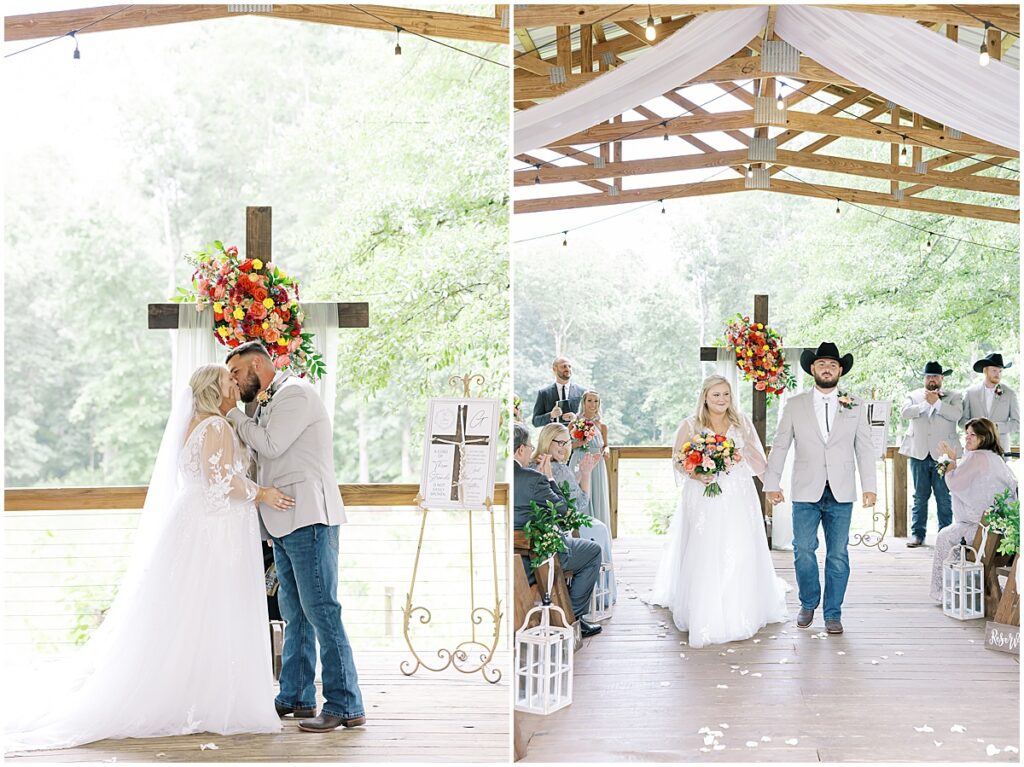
(434, 23)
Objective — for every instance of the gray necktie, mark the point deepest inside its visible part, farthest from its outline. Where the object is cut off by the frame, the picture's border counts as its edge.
(827, 430)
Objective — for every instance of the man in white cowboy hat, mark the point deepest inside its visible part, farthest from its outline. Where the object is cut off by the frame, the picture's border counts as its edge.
(932, 414)
(993, 399)
(831, 433)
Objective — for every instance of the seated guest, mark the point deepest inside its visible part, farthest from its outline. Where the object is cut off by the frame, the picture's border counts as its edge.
(973, 481)
(559, 401)
(582, 557)
(554, 443)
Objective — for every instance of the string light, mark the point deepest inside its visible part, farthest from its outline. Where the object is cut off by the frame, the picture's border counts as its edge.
(536, 179)
(662, 205)
(983, 57)
(780, 103)
(650, 33)
(398, 44)
(903, 151)
(838, 211)
(565, 238)
(76, 55)
(928, 243)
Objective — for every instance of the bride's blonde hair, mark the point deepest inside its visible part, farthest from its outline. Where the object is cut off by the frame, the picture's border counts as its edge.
(704, 414)
(206, 396)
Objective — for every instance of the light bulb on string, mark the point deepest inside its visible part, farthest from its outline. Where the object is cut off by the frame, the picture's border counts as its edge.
(983, 57)
(650, 33)
(536, 178)
(928, 243)
(838, 211)
(780, 103)
(662, 205)
(565, 239)
(903, 151)
(76, 55)
(398, 44)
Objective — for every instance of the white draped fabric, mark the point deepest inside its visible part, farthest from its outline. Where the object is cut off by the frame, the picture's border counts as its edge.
(895, 58)
(709, 40)
(193, 345)
(911, 66)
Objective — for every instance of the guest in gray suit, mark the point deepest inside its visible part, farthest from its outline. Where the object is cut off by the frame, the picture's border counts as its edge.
(933, 414)
(992, 399)
(292, 437)
(546, 408)
(831, 433)
(582, 557)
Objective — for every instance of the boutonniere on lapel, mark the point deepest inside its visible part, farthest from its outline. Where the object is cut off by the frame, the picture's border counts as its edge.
(999, 390)
(264, 397)
(846, 400)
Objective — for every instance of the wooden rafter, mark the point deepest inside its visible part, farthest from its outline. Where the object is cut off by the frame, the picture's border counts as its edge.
(880, 122)
(451, 25)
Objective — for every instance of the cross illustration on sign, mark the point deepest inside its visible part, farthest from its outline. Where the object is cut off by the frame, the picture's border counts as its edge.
(459, 441)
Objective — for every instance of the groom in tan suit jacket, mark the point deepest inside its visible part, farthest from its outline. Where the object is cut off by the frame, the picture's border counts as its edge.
(292, 437)
(831, 434)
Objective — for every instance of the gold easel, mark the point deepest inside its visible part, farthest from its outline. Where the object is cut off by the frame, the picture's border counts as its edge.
(875, 537)
(460, 657)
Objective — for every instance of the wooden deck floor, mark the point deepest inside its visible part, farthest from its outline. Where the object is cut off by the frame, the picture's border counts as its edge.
(445, 717)
(900, 665)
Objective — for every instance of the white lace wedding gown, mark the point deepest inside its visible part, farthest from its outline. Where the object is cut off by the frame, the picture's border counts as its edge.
(716, 573)
(185, 646)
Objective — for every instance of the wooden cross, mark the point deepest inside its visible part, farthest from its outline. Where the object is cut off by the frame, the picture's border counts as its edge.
(459, 440)
(257, 245)
(759, 401)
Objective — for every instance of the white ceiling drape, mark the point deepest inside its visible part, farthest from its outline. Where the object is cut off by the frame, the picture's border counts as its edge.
(708, 40)
(895, 58)
(911, 66)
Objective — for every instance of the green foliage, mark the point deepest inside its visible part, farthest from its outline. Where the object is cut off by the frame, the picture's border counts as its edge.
(548, 525)
(1003, 517)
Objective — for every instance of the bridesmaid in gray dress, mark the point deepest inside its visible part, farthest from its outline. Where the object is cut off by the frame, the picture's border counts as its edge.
(600, 505)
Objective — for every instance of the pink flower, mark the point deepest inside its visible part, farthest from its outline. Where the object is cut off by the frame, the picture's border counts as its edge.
(203, 284)
(294, 344)
(708, 464)
(218, 292)
(282, 361)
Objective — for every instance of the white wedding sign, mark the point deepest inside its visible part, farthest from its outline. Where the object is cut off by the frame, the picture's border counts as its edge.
(460, 450)
(879, 416)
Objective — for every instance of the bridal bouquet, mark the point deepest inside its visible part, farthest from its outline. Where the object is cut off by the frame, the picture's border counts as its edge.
(253, 301)
(707, 453)
(583, 430)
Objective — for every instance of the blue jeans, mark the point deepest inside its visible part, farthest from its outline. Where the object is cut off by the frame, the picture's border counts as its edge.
(307, 568)
(834, 517)
(926, 481)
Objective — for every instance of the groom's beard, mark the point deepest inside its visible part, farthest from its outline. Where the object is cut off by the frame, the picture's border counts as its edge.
(824, 383)
(249, 388)
(932, 386)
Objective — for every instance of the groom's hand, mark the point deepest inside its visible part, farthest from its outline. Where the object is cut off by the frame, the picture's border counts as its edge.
(776, 497)
(869, 499)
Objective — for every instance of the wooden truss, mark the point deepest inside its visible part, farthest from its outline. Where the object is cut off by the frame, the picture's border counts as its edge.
(560, 47)
(491, 29)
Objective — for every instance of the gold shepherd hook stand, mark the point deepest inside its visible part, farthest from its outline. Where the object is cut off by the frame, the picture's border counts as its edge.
(875, 537)
(471, 655)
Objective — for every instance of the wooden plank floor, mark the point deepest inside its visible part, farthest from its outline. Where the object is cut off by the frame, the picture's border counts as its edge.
(443, 717)
(636, 698)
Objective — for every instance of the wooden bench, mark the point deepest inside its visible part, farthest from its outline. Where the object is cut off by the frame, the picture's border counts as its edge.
(526, 596)
(1008, 608)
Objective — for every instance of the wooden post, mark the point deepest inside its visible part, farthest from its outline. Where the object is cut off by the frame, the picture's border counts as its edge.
(613, 489)
(899, 495)
(586, 48)
(759, 403)
(257, 232)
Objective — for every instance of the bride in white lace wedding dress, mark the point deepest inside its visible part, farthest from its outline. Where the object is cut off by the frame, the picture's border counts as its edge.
(716, 573)
(185, 646)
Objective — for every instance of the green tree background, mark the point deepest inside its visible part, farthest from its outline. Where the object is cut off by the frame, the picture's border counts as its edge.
(388, 180)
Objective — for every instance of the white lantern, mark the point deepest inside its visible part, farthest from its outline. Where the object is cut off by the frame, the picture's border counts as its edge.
(601, 597)
(543, 659)
(963, 584)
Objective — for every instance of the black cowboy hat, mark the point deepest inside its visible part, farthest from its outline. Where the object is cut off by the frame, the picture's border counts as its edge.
(826, 351)
(934, 369)
(995, 359)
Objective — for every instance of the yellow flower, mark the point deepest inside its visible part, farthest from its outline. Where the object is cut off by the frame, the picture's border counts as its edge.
(760, 326)
(727, 443)
(218, 307)
(282, 342)
(750, 354)
(686, 446)
(765, 347)
(266, 325)
(257, 264)
(268, 303)
(223, 331)
(238, 313)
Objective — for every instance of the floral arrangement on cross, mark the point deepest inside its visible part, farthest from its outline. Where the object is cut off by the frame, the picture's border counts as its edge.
(759, 355)
(252, 301)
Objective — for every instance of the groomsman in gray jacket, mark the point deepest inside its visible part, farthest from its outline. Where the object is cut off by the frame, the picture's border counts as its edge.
(831, 433)
(992, 399)
(932, 413)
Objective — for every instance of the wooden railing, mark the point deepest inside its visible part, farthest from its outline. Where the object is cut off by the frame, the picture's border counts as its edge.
(133, 497)
(899, 479)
